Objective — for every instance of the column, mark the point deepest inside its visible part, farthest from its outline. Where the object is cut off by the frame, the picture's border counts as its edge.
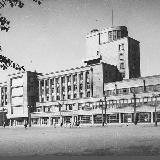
(4, 96)
(50, 92)
(91, 82)
(151, 117)
(10, 122)
(72, 86)
(55, 89)
(40, 121)
(66, 87)
(44, 90)
(0, 96)
(49, 121)
(119, 117)
(84, 84)
(40, 92)
(92, 119)
(77, 85)
(60, 87)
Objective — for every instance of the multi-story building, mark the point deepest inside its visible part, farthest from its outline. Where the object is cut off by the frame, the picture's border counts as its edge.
(22, 96)
(116, 48)
(97, 92)
(120, 99)
(3, 102)
(60, 93)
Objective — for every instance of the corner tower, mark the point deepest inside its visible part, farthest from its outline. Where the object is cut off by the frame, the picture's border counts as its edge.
(116, 48)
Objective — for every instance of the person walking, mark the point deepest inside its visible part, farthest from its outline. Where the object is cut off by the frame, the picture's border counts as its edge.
(25, 125)
(4, 124)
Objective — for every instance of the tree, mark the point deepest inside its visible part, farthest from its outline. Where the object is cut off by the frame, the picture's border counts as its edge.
(5, 26)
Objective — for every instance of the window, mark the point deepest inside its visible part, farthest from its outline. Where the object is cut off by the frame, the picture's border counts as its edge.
(69, 78)
(75, 95)
(58, 89)
(63, 96)
(75, 78)
(81, 86)
(58, 97)
(69, 88)
(63, 79)
(110, 35)
(81, 95)
(70, 106)
(69, 96)
(88, 94)
(88, 85)
(125, 90)
(118, 34)
(132, 89)
(52, 82)
(121, 56)
(121, 47)
(75, 87)
(63, 89)
(121, 65)
(123, 75)
(114, 35)
(81, 76)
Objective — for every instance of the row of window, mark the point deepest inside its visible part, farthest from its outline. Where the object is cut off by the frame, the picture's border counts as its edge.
(63, 79)
(64, 97)
(140, 89)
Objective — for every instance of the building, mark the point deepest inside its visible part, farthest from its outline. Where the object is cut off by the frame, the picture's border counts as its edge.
(22, 91)
(61, 93)
(3, 102)
(99, 92)
(116, 48)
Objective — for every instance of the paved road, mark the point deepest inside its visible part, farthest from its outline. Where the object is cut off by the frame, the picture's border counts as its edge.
(86, 142)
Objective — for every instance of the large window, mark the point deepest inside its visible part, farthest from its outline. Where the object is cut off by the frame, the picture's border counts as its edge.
(122, 65)
(110, 35)
(85, 119)
(113, 118)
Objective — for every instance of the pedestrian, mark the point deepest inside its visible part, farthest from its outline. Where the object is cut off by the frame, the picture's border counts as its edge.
(4, 124)
(61, 124)
(55, 125)
(25, 125)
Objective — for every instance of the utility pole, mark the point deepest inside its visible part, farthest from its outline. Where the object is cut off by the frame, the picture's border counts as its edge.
(135, 115)
(29, 116)
(155, 96)
(101, 104)
(105, 109)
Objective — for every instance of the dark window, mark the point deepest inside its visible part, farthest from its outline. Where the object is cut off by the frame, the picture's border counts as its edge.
(63, 79)
(110, 35)
(118, 34)
(114, 35)
(121, 65)
(69, 96)
(88, 94)
(75, 95)
(81, 95)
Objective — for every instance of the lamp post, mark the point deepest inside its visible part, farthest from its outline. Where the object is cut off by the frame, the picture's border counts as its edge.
(3, 115)
(135, 115)
(101, 104)
(29, 115)
(155, 96)
(105, 109)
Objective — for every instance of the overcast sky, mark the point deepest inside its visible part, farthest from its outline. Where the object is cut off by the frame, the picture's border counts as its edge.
(51, 36)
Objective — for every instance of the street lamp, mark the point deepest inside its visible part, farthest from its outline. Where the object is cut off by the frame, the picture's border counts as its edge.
(29, 115)
(105, 109)
(155, 96)
(3, 115)
(135, 115)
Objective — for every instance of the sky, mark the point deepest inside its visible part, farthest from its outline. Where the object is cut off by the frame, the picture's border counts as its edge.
(51, 36)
